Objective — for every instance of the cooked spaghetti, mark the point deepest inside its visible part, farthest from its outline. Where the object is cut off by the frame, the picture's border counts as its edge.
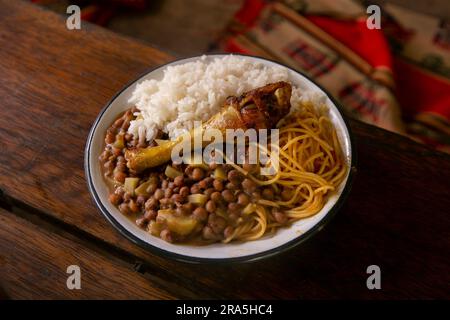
(311, 166)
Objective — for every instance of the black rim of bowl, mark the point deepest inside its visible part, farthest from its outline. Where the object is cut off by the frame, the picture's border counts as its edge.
(248, 258)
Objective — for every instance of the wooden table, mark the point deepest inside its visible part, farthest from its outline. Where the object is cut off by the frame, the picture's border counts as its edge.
(53, 82)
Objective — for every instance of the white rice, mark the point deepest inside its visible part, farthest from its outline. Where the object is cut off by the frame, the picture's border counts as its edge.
(196, 91)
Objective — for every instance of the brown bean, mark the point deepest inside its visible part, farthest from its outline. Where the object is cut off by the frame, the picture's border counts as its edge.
(197, 174)
(164, 184)
(286, 194)
(110, 137)
(133, 206)
(200, 214)
(210, 206)
(159, 194)
(118, 123)
(230, 186)
(141, 222)
(256, 195)
(236, 184)
(120, 176)
(177, 198)
(234, 176)
(207, 182)
(127, 196)
(115, 199)
(178, 181)
(121, 167)
(188, 170)
(217, 223)
(228, 195)
(208, 192)
(165, 201)
(140, 200)
(195, 189)
(234, 207)
(268, 194)
(151, 203)
(203, 184)
(243, 199)
(216, 197)
(184, 191)
(128, 137)
(233, 216)
(249, 185)
(218, 185)
(117, 152)
(126, 124)
(168, 193)
(279, 216)
(166, 235)
(208, 233)
(228, 232)
(124, 208)
(150, 214)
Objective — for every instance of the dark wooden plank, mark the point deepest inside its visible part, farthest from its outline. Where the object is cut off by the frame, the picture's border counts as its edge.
(55, 81)
(34, 261)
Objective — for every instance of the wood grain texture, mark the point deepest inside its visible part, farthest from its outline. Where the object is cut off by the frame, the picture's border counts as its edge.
(34, 261)
(55, 81)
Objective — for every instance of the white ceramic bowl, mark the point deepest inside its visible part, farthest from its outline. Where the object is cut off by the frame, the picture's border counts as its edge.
(269, 245)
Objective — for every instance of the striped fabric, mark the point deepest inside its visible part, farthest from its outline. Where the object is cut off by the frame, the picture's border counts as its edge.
(397, 78)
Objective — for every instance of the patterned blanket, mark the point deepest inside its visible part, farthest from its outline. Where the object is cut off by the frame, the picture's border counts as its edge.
(396, 77)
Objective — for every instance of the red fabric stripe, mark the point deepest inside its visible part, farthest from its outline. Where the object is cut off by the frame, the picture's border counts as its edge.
(249, 12)
(371, 45)
(419, 91)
